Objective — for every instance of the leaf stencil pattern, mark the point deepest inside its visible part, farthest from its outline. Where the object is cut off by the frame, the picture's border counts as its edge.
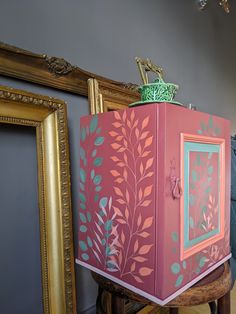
(209, 128)
(106, 236)
(203, 193)
(133, 167)
(97, 230)
(217, 251)
(88, 177)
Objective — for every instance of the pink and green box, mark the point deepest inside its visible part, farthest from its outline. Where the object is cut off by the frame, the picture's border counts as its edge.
(154, 197)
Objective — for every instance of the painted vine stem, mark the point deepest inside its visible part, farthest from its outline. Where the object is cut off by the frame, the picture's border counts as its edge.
(133, 165)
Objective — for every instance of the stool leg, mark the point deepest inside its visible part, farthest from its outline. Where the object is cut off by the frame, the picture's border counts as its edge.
(224, 304)
(173, 310)
(99, 309)
(213, 307)
(117, 305)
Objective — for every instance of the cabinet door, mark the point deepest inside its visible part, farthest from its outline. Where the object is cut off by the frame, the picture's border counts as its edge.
(202, 207)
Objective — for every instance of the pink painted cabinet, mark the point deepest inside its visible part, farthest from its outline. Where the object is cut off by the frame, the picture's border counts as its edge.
(154, 197)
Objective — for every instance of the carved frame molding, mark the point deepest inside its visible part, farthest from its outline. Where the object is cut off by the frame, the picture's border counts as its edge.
(57, 73)
(49, 117)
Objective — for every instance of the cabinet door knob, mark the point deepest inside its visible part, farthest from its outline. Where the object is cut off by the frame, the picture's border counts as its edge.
(176, 189)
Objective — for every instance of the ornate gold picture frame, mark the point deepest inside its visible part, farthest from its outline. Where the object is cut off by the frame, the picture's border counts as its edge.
(107, 97)
(49, 117)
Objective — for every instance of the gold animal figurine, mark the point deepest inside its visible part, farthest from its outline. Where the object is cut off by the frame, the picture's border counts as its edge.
(225, 5)
(145, 65)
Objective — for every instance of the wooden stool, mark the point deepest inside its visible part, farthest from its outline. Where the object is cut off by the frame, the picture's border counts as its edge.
(215, 286)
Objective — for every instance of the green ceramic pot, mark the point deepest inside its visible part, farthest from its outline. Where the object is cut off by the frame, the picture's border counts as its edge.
(158, 91)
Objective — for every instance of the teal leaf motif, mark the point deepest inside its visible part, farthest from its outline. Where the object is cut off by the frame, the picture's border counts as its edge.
(108, 250)
(83, 245)
(191, 222)
(82, 175)
(179, 280)
(108, 225)
(83, 228)
(112, 264)
(99, 140)
(98, 130)
(103, 202)
(208, 190)
(184, 264)
(174, 236)
(82, 197)
(81, 186)
(202, 261)
(98, 188)
(89, 241)
(83, 134)
(82, 153)
(89, 216)
(175, 268)
(85, 257)
(92, 174)
(82, 206)
(98, 161)
(203, 126)
(210, 122)
(96, 198)
(93, 124)
(210, 169)
(194, 175)
(94, 152)
(82, 217)
(101, 213)
(198, 159)
(199, 131)
(210, 155)
(97, 179)
(198, 270)
(103, 242)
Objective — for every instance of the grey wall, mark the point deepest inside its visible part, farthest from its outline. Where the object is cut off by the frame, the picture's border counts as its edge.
(196, 49)
(20, 276)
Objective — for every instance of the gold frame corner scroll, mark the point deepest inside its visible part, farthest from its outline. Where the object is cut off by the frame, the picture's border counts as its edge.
(49, 117)
(104, 96)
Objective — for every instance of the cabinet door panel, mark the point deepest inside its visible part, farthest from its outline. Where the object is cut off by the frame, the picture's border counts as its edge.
(196, 224)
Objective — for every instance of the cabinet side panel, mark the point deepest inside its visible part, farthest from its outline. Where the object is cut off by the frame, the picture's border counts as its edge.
(117, 196)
